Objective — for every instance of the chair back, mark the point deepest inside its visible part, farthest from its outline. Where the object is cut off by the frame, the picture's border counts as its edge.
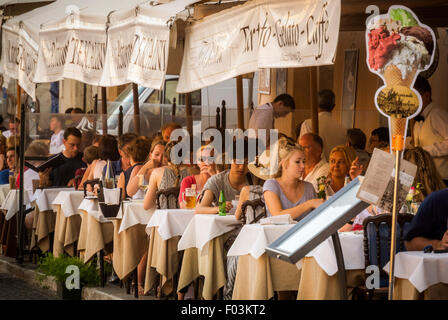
(168, 198)
(377, 239)
(252, 211)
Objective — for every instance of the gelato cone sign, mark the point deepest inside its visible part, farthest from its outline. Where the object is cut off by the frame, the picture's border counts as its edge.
(398, 48)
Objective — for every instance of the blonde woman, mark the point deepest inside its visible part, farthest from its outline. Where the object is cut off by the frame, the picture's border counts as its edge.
(340, 161)
(287, 193)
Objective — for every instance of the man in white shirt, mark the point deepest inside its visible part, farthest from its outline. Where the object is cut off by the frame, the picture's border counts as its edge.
(315, 166)
(431, 133)
(13, 128)
(332, 133)
(56, 143)
(263, 115)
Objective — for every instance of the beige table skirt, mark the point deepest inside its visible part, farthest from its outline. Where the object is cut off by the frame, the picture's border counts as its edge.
(405, 290)
(43, 224)
(66, 233)
(94, 236)
(129, 247)
(316, 284)
(163, 260)
(211, 265)
(257, 279)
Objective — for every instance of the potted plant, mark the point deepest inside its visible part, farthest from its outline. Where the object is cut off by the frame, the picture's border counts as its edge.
(65, 266)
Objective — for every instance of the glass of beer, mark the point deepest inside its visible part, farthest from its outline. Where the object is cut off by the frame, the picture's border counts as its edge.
(189, 198)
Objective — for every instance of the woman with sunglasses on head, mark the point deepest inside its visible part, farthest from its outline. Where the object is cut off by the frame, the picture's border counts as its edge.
(207, 169)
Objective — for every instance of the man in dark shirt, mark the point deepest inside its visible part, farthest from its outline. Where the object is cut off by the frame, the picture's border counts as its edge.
(429, 226)
(64, 174)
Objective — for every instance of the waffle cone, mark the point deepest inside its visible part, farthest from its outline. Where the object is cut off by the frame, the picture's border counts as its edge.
(392, 75)
(398, 126)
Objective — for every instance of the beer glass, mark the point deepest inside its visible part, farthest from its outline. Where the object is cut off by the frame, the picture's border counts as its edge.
(189, 197)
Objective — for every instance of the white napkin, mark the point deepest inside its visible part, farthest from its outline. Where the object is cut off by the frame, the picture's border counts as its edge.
(282, 219)
(112, 196)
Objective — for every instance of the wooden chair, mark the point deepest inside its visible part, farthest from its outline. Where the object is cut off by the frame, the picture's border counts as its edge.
(377, 239)
(254, 205)
(168, 198)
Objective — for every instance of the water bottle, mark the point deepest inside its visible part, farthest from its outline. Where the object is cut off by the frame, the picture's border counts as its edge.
(222, 204)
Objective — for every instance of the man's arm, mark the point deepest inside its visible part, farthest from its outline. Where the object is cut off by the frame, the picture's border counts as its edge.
(418, 243)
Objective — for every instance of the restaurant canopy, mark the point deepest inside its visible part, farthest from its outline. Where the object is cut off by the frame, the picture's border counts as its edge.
(259, 34)
(20, 43)
(139, 42)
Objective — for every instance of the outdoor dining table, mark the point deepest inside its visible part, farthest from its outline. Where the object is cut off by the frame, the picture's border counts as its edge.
(204, 255)
(420, 276)
(8, 225)
(165, 228)
(96, 231)
(68, 222)
(318, 279)
(4, 190)
(258, 275)
(44, 216)
(129, 238)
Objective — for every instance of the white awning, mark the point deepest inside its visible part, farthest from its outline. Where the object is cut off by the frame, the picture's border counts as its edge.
(259, 34)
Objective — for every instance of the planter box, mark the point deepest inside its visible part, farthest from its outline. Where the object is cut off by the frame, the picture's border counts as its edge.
(65, 294)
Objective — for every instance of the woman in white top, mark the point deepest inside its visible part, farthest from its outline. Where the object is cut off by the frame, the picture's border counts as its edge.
(107, 150)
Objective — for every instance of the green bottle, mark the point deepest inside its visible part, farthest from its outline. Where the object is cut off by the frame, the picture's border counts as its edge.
(222, 204)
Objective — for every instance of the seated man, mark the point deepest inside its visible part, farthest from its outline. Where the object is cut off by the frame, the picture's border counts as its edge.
(11, 162)
(64, 174)
(315, 165)
(429, 226)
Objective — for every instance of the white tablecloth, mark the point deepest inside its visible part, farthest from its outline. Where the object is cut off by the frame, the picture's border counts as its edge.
(45, 197)
(352, 250)
(254, 238)
(205, 227)
(69, 202)
(132, 214)
(11, 203)
(93, 209)
(421, 269)
(4, 189)
(170, 222)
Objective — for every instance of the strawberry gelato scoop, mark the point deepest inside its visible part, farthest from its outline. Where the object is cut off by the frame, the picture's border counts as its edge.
(381, 44)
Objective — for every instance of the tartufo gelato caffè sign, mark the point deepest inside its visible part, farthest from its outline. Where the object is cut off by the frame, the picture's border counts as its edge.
(19, 58)
(399, 46)
(72, 51)
(137, 52)
(259, 34)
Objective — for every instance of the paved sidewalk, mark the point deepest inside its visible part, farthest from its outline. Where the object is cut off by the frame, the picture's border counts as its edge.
(12, 288)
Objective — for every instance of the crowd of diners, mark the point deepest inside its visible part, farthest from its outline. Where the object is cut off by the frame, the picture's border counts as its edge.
(136, 161)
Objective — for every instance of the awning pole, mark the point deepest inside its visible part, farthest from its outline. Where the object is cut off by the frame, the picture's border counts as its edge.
(240, 103)
(313, 100)
(136, 108)
(104, 109)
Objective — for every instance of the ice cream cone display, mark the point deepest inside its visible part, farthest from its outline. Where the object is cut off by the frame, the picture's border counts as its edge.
(398, 125)
(398, 48)
(393, 77)
(398, 101)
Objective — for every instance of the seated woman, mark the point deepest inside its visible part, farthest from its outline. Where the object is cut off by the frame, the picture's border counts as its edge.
(89, 156)
(165, 177)
(340, 161)
(207, 169)
(427, 173)
(107, 151)
(138, 152)
(287, 193)
(155, 160)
